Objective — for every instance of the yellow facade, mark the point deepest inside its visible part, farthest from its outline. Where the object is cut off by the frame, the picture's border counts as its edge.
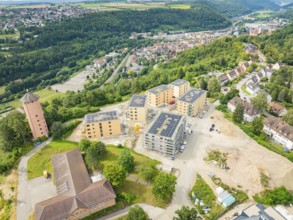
(191, 108)
(159, 95)
(102, 129)
(138, 114)
(179, 88)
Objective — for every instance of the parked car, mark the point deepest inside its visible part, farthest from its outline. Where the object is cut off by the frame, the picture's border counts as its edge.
(182, 148)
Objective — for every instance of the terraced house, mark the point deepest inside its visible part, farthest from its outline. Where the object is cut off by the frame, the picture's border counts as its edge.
(165, 134)
(192, 102)
(101, 124)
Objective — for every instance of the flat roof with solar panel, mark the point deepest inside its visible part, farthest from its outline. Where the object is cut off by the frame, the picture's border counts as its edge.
(159, 89)
(178, 82)
(192, 95)
(137, 101)
(165, 124)
(100, 116)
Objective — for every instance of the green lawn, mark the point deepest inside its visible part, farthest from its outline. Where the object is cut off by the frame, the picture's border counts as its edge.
(180, 6)
(42, 159)
(143, 193)
(4, 36)
(244, 90)
(263, 14)
(45, 95)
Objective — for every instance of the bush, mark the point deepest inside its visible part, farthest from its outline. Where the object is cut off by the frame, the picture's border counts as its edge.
(278, 196)
(203, 191)
(136, 213)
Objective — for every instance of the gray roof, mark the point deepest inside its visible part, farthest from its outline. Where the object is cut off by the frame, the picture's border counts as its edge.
(192, 95)
(178, 82)
(137, 101)
(165, 124)
(29, 97)
(279, 126)
(100, 116)
(158, 89)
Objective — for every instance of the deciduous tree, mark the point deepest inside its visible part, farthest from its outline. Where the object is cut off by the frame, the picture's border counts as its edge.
(115, 174)
(186, 213)
(136, 213)
(260, 102)
(126, 160)
(164, 185)
(238, 114)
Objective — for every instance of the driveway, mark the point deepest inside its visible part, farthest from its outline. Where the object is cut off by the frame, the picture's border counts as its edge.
(241, 83)
(24, 205)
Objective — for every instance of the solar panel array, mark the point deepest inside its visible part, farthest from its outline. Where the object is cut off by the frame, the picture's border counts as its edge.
(100, 116)
(192, 95)
(138, 101)
(159, 89)
(165, 124)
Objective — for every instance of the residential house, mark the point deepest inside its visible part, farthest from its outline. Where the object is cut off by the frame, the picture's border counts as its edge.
(165, 134)
(99, 63)
(223, 78)
(250, 112)
(101, 124)
(192, 102)
(78, 196)
(179, 87)
(252, 88)
(277, 109)
(232, 75)
(159, 95)
(279, 131)
(250, 48)
(137, 109)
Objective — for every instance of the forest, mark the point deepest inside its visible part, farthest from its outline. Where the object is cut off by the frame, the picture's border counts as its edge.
(73, 43)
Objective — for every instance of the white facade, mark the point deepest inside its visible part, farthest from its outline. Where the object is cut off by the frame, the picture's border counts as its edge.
(279, 138)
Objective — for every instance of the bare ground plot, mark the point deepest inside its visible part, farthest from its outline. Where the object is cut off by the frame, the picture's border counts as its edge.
(245, 159)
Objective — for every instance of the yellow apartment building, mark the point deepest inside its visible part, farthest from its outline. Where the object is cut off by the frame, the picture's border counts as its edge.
(179, 87)
(101, 124)
(159, 95)
(192, 102)
(137, 110)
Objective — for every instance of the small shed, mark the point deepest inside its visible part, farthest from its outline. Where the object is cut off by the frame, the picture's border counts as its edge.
(223, 196)
(229, 201)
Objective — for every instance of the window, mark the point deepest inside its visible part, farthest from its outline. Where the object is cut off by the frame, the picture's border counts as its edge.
(36, 115)
(40, 129)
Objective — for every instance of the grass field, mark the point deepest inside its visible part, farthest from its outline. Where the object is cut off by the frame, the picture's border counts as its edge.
(143, 193)
(42, 159)
(45, 95)
(111, 6)
(180, 6)
(4, 36)
(263, 14)
(30, 6)
(2, 89)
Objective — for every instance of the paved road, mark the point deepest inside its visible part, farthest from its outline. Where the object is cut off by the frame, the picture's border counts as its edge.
(240, 84)
(24, 205)
(116, 71)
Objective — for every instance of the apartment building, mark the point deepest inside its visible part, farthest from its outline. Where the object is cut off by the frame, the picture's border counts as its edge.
(101, 124)
(192, 102)
(165, 134)
(159, 95)
(137, 110)
(250, 111)
(179, 87)
(279, 131)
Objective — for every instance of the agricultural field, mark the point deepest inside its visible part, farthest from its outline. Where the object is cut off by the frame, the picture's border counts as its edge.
(4, 36)
(179, 6)
(122, 5)
(263, 14)
(30, 6)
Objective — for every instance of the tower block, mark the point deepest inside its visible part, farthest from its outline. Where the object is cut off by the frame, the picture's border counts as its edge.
(35, 115)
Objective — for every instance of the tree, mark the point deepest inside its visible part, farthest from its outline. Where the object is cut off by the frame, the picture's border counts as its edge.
(214, 86)
(126, 160)
(84, 144)
(147, 173)
(164, 186)
(136, 213)
(203, 84)
(288, 117)
(56, 129)
(115, 174)
(238, 114)
(94, 152)
(257, 126)
(260, 102)
(186, 213)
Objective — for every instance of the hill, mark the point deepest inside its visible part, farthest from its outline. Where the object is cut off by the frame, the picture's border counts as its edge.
(70, 42)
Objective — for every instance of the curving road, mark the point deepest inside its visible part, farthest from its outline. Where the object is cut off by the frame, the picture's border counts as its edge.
(24, 206)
